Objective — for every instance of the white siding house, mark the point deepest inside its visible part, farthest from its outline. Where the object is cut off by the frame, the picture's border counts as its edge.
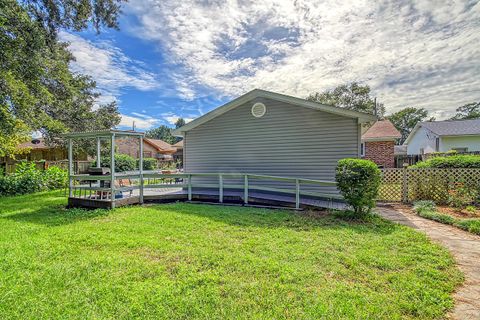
(443, 136)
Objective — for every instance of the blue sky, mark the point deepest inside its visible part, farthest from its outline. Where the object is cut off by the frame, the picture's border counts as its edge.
(175, 59)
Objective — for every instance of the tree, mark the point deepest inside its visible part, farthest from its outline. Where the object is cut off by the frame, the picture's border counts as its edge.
(163, 133)
(468, 111)
(37, 90)
(406, 119)
(180, 123)
(351, 96)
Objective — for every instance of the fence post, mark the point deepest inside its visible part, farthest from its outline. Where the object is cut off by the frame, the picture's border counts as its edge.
(189, 187)
(405, 185)
(297, 194)
(245, 189)
(220, 188)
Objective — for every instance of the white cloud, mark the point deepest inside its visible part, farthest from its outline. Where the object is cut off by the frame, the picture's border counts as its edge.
(142, 122)
(422, 53)
(173, 118)
(108, 66)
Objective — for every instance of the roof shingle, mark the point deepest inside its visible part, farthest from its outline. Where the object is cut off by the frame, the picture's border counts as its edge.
(382, 129)
(453, 127)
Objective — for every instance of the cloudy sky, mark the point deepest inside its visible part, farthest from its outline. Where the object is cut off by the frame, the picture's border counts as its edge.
(175, 59)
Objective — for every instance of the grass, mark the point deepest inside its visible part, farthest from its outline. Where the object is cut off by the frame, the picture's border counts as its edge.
(470, 225)
(185, 261)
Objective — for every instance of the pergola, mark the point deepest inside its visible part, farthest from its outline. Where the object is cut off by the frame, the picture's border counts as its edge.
(104, 196)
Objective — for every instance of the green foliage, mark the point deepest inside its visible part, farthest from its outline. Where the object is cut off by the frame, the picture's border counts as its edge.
(470, 225)
(162, 133)
(352, 96)
(358, 181)
(190, 261)
(406, 119)
(468, 111)
(461, 196)
(38, 92)
(123, 162)
(457, 161)
(424, 205)
(179, 123)
(149, 164)
(28, 179)
(471, 209)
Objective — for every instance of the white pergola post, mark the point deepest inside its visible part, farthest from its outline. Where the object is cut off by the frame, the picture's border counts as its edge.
(141, 169)
(70, 169)
(98, 153)
(112, 168)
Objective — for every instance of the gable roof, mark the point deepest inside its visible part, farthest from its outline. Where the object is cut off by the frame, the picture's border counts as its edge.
(35, 144)
(257, 93)
(382, 130)
(160, 145)
(448, 128)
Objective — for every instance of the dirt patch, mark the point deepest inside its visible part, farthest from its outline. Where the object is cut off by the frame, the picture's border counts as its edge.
(459, 213)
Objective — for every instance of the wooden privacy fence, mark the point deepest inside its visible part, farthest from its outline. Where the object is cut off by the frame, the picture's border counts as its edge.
(78, 166)
(408, 185)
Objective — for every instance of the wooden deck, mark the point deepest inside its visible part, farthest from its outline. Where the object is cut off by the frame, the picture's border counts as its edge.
(211, 196)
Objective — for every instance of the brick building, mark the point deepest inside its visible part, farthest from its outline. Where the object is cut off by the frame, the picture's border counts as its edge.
(152, 148)
(378, 143)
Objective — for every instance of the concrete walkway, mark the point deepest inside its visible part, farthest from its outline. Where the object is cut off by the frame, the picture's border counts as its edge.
(464, 246)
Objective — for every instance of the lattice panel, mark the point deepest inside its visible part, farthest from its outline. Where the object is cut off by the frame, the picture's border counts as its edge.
(391, 186)
(426, 183)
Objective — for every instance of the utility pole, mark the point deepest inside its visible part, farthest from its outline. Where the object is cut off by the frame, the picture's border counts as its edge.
(375, 107)
(133, 125)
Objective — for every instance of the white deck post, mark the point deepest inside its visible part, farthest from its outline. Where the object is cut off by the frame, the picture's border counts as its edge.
(112, 169)
(245, 189)
(99, 161)
(220, 188)
(297, 194)
(141, 169)
(70, 162)
(189, 187)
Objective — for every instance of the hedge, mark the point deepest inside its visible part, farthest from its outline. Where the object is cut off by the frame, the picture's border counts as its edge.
(460, 161)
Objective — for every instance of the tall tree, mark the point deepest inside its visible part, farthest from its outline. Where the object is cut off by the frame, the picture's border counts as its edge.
(468, 111)
(38, 92)
(406, 119)
(352, 96)
(163, 133)
(179, 123)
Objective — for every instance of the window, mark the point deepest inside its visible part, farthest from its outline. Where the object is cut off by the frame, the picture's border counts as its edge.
(362, 149)
(460, 150)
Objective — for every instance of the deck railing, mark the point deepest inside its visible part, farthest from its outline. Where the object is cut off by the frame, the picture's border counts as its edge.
(243, 182)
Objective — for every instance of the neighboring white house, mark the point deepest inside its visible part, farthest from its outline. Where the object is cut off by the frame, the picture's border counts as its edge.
(443, 136)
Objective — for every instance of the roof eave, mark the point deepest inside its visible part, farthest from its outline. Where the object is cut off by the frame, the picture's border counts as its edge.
(257, 93)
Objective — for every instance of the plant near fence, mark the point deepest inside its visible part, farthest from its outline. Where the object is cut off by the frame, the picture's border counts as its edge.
(27, 178)
(358, 181)
(427, 209)
(458, 161)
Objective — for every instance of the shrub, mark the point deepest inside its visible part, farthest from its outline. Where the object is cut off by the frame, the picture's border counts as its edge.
(458, 161)
(358, 181)
(148, 164)
(28, 179)
(424, 205)
(470, 225)
(55, 178)
(123, 162)
(461, 196)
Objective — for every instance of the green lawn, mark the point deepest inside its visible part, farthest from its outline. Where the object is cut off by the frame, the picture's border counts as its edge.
(183, 261)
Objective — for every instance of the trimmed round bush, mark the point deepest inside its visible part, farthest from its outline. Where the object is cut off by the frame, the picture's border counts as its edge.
(358, 181)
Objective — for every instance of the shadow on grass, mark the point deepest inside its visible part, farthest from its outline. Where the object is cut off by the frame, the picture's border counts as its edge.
(277, 218)
(46, 208)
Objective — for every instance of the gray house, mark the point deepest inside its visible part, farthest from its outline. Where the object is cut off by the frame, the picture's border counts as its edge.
(267, 133)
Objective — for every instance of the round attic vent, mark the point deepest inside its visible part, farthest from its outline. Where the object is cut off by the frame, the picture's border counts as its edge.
(258, 110)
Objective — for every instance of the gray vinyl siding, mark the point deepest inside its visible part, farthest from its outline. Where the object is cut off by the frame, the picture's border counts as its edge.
(288, 140)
